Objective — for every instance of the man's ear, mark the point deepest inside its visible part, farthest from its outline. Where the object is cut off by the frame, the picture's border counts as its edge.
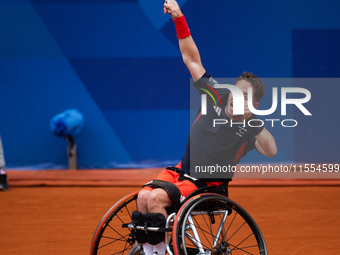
(256, 105)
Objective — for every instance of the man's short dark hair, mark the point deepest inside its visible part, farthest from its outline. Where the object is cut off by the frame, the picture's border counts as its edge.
(257, 84)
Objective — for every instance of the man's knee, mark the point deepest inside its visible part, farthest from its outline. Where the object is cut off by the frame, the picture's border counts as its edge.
(143, 197)
(158, 198)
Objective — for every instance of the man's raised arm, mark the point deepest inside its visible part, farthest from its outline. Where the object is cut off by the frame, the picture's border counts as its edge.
(188, 48)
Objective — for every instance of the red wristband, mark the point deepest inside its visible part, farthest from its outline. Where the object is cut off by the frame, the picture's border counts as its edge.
(182, 28)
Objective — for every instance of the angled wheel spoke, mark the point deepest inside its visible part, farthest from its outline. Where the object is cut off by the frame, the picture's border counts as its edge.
(237, 230)
(116, 231)
(203, 231)
(243, 249)
(123, 239)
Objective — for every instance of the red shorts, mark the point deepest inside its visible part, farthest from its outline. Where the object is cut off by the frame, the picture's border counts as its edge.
(184, 186)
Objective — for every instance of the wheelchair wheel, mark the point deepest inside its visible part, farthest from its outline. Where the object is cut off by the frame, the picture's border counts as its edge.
(110, 237)
(214, 224)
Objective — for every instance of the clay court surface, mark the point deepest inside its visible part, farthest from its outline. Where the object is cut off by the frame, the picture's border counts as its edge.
(42, 214)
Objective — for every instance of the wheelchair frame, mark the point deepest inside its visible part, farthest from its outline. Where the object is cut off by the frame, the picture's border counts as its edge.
(207, 223)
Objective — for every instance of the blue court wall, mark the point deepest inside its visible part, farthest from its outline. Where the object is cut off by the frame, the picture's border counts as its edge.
(118, 63)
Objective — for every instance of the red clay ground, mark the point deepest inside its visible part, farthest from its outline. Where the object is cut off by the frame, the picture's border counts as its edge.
(62, 220)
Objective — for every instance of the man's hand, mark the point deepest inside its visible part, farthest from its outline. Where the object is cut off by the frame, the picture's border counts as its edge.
(246, 115)
(173, 10)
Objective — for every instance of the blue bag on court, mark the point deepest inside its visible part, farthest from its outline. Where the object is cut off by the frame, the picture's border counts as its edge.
(67, 123)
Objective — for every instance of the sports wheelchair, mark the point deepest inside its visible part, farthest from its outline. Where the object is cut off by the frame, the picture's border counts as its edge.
(208, 222)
